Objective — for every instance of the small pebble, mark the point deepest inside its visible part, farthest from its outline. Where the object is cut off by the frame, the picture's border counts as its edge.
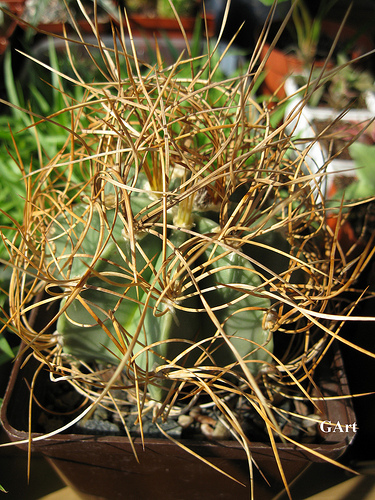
(207, 430)
(185, 421)
(98, 426)
(311, 421)
(221, 432)
(204, 419)
(195, 412)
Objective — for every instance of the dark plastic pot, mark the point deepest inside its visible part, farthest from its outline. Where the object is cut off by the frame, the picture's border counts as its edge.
(105, 467)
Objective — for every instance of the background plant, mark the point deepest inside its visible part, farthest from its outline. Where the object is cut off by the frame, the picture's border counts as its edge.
(350, 85)
(307, 30)
(26, 139)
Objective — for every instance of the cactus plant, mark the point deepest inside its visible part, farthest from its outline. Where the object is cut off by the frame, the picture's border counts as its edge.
(145, 255)
(196, 238)
(154, 254)
(151, 257)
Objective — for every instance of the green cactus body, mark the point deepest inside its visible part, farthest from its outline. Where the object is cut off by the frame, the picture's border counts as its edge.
(239, 311)
(243, 316)
(172, 329)
(175, 323)
(266, 253)
(109, 288)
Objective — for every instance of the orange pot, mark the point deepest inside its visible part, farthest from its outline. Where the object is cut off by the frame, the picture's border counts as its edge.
(278, 67)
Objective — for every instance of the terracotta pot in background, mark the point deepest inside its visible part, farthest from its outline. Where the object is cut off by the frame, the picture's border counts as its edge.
(278, 67)
(140, 26)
